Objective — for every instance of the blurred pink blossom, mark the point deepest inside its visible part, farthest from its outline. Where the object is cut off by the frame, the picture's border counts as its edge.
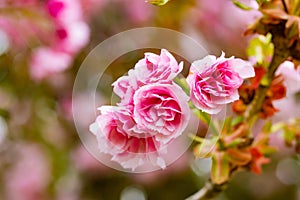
(291, 76)
(214, 82)
(84, 161)
(18, 2)
(65, 11)
(71, 38)
(92, 7)
(222, 23)
(138, 11)
(56, 29)
(28, 178)
(30, 29)
(46, 61)
(72, 34)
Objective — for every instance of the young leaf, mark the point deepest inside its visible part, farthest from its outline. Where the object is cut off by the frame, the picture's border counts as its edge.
(241, 5)
(220, 168)
(183, 84)
(235, 121)
(204, 149)
(267, 127)
(289, 136)
(261, 49)
(158, 2)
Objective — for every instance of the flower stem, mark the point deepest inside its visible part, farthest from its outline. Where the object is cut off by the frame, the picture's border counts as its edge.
(209, 191)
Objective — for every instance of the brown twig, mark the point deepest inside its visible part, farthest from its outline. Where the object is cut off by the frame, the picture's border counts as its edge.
(284, 6)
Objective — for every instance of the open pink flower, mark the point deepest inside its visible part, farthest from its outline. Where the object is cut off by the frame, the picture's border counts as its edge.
(162, 110)
(153, 68)
(157, 68)
(127, 147)
(160, 114)
(214, 82)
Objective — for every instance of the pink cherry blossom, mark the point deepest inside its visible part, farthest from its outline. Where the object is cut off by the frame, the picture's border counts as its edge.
(161, 109)
(128, 150)
(160, 114)
(157, 68)
(153, 68)
(214, 82)
(152, 113)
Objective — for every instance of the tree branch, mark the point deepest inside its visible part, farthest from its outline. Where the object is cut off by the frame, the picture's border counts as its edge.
(281, 53)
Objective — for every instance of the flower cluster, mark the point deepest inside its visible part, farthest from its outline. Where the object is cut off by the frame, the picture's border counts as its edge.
(152, 112)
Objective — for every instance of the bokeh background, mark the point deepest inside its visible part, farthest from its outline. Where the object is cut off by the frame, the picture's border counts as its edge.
(41, 155)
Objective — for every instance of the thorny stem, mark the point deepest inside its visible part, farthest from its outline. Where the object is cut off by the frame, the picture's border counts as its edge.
(281, 53)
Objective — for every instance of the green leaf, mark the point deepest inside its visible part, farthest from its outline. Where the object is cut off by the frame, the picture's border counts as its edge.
(235, 142)
(183, 84)
(295, 5)
(261, 49)
(205, 118)
(265, 81)
(278, 126)
(227, 125)
(269, 150)
(235, 121)
(260, 1)
(158, 2)
(241, 5)
(267, 127)
(220, 168)
(289, 136)
(204, 149)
